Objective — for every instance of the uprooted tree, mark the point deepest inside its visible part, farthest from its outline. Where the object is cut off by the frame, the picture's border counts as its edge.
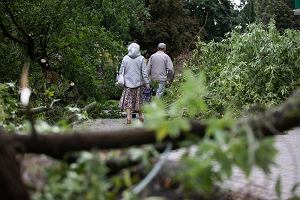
(273, 122)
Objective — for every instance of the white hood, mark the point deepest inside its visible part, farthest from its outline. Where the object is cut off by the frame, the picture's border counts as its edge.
(134, 50)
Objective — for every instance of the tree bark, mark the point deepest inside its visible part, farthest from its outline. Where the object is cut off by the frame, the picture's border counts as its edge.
(11, 185)
(271, 123)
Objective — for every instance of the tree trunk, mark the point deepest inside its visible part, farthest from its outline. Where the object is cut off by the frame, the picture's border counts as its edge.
(11, 185)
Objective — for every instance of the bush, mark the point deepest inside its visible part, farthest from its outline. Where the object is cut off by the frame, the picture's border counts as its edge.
(8, 103)
(258, 67)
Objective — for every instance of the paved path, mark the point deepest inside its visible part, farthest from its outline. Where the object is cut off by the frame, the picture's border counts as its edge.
(288, 168)
(288, 164)
(103, 124)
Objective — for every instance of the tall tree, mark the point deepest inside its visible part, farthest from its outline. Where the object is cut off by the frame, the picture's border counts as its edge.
(245, 13)
(170, 23)
(216, 16)
(279, 10)
(69, 37)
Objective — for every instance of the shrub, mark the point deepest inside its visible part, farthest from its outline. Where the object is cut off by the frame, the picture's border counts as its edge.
(257, 67)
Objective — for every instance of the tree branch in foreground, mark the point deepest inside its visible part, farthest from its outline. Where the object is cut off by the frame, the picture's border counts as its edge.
(11, 183)
(283, 118)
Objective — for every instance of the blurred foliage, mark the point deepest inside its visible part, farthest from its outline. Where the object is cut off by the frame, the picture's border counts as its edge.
(224, 146)
(245, 13)
(222, 149)
(168, 119)
(84, 179)
(88, 178)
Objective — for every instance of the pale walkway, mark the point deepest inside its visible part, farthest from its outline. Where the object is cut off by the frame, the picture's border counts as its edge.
(288, 168)
(288, 161)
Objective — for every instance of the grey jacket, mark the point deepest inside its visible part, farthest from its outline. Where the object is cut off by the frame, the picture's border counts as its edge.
(158, 65)
(134, 64)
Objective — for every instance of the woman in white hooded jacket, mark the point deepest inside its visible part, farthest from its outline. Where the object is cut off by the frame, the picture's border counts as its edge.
(136, 77)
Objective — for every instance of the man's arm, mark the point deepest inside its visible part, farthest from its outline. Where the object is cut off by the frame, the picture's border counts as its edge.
(170, 68)
(145, 72)
(149, 66)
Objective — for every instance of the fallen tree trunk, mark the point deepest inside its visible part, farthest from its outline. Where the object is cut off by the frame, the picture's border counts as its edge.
(11, 185)
(273, 122)
(56, 145)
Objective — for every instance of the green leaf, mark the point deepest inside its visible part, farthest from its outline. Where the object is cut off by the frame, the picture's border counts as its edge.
(127, 178)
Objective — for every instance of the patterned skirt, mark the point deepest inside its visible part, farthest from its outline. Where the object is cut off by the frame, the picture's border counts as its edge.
(132, 98)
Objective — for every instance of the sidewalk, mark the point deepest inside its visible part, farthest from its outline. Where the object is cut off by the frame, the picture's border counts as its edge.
(288, 168)
(288, 165)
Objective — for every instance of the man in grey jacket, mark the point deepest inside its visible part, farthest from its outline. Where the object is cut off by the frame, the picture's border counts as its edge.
(159, 67)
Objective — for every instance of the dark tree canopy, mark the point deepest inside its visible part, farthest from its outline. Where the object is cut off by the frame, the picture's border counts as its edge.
(263, 11)
(220, 16)
(171, 23)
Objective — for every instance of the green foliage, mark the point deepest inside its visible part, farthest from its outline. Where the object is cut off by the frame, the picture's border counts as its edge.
(216, 16)
(76, 38)
(168, 119)
(124, 16)
(11, 57)
(170, 23)
(220, 151)
(224, 146)
(8, 104)
(265, 11)
(257, 67)
(245, 14)
(108, 109)
(278, 10)
(87, 178)
(84, 39)
(13, 116)
(108, 90)
(84, 179)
